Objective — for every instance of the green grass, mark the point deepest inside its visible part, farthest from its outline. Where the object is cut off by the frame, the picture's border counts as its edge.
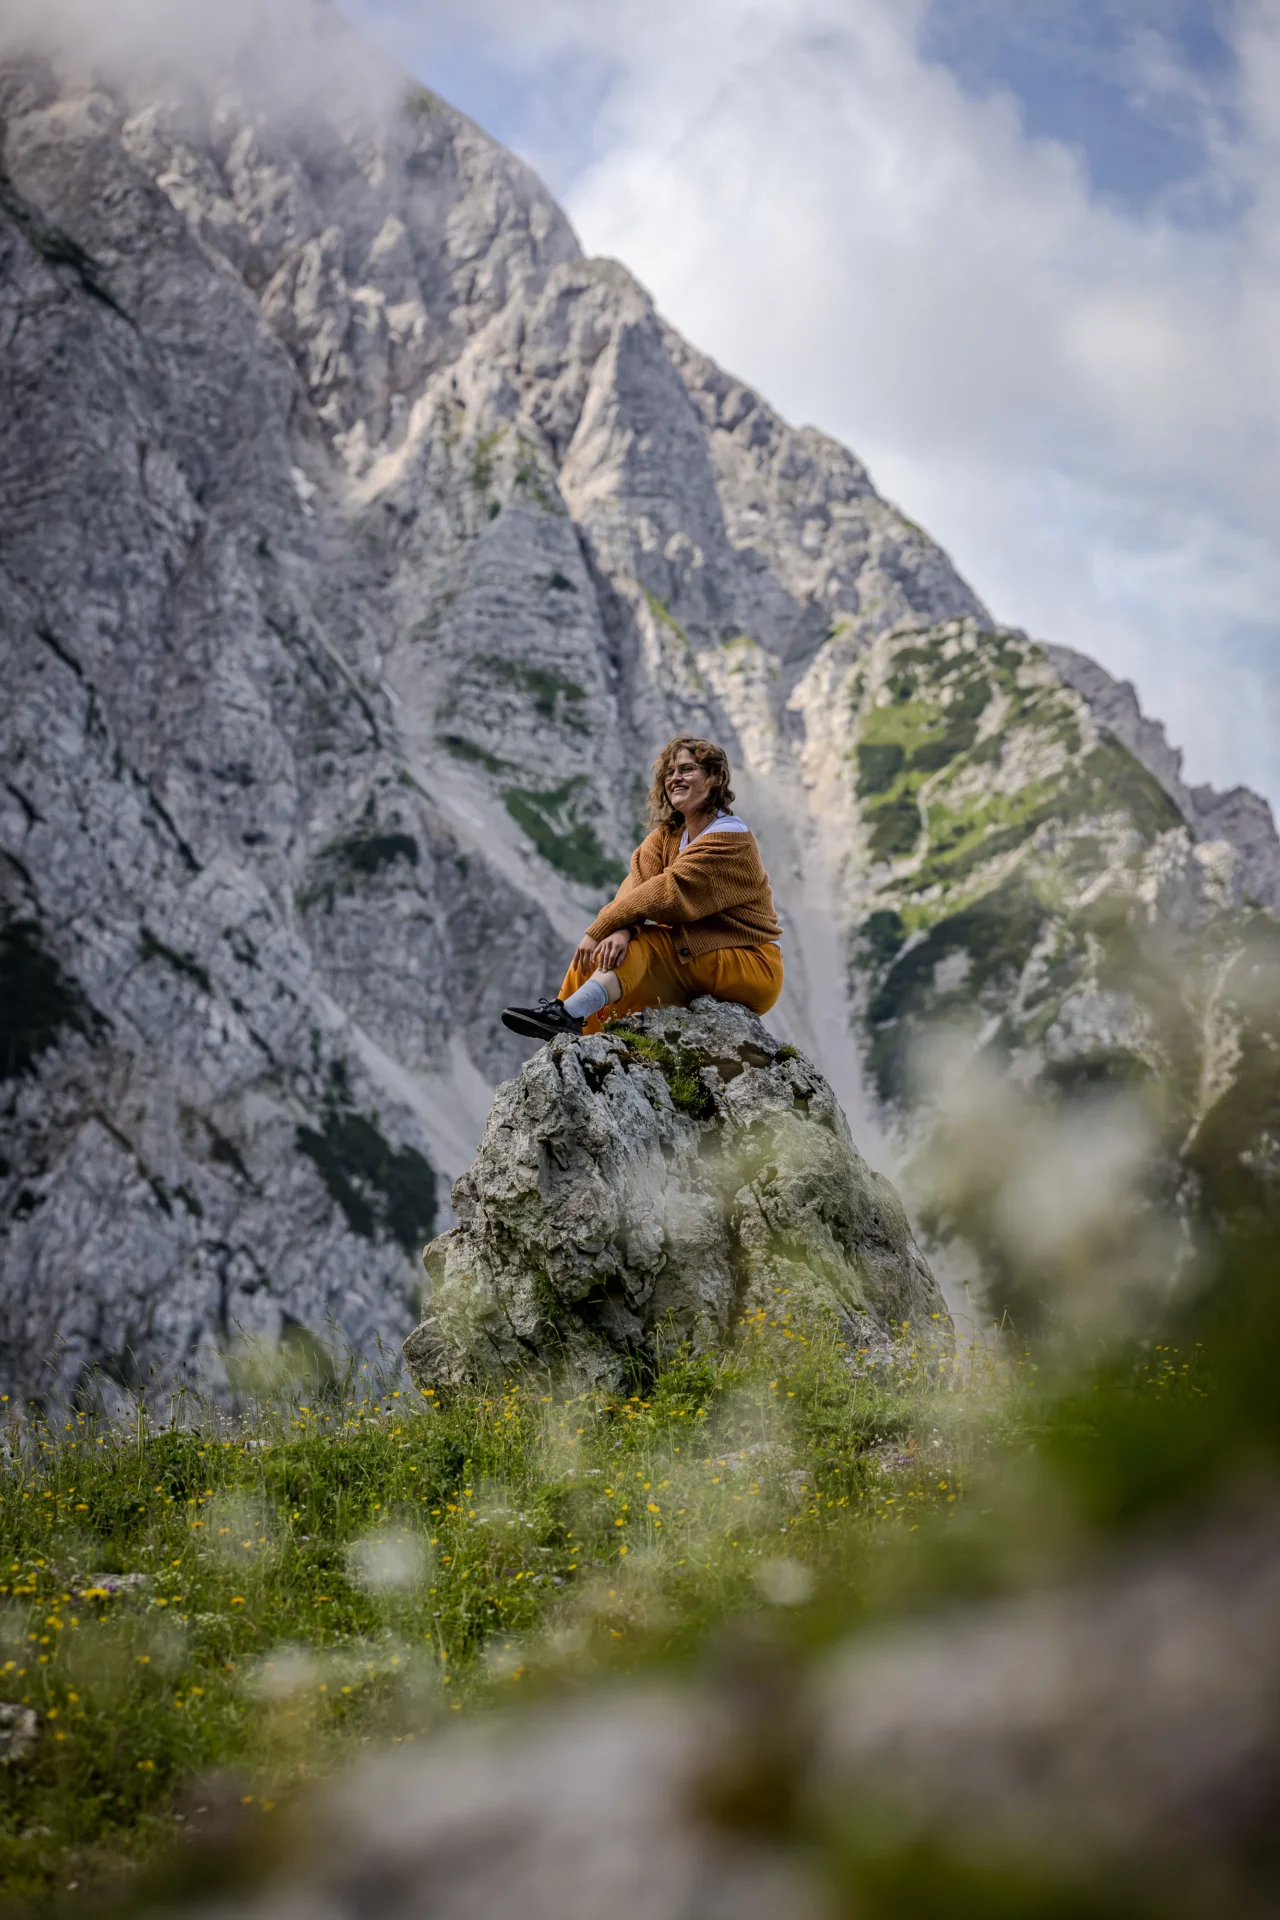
(678, 1067)
(482, 461)
(663, 615)
(467, 750)
(568, 844)
(554, 698)
(879, 763)
(312, 1577)
(928, 729)
(895, 828)
(531, 480)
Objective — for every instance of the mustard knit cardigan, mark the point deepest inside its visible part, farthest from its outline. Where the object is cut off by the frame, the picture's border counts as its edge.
(716, 893)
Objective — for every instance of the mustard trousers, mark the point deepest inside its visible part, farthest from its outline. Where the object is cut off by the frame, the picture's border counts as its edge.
(654, 975)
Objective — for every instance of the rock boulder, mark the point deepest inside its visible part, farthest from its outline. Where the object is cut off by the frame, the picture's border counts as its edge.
(656, 1182)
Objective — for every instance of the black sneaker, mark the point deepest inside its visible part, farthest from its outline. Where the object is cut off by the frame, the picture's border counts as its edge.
(542, 1022)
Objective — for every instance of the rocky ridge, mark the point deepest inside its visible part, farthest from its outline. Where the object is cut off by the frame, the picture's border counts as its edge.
(359, 543)
(1240, 817)
(1026, 877)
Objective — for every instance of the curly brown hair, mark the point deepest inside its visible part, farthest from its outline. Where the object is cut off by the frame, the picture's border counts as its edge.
(714, 762)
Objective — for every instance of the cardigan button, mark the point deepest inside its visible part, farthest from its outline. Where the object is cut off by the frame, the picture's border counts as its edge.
(684, 953)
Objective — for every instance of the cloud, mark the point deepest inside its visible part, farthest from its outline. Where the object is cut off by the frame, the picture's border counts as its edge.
(293, 57)
(1079, 397)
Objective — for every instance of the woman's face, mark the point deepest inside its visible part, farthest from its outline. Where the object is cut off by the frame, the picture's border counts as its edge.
(688, 787)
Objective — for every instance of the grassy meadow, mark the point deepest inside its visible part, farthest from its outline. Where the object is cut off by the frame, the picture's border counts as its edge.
(208, 1612)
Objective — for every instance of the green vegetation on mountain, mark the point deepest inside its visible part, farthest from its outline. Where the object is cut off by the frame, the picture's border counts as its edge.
(1007, 841)
(381, 1190)
(553, 696)
(1026, 888)
(567, 842)
(463, 749)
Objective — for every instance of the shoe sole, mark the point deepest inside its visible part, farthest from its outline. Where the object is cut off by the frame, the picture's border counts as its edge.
(533, 1029)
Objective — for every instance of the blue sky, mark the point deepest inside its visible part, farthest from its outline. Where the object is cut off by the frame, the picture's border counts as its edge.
(1076, 68)
(1022, 255)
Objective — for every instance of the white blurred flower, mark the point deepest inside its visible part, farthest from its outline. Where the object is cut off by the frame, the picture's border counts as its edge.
(784, 1583)
(238, 1527)
(385, 1562)
(286, 1671)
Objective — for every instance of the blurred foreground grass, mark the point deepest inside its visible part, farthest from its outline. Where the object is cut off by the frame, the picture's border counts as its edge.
(218, 1609)
(208, 1614)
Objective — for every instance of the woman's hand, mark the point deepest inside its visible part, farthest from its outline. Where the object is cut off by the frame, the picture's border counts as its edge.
(603, 955)
(612, 950)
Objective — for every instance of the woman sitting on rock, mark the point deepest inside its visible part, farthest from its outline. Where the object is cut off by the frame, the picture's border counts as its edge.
(694, 915)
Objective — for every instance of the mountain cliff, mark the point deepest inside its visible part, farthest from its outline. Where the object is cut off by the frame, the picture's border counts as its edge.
(360, 542)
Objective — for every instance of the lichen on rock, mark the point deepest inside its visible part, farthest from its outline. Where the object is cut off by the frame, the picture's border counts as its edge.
(655, 1183)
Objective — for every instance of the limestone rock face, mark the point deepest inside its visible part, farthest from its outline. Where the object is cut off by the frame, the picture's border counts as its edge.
(1239, 817)
(204, 817)
(655, 1182)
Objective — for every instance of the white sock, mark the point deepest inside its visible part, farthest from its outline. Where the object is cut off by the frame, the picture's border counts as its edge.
(588, 999)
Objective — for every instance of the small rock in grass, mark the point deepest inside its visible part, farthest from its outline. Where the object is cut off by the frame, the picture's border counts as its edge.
(19, 1733)
(112, 1583)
